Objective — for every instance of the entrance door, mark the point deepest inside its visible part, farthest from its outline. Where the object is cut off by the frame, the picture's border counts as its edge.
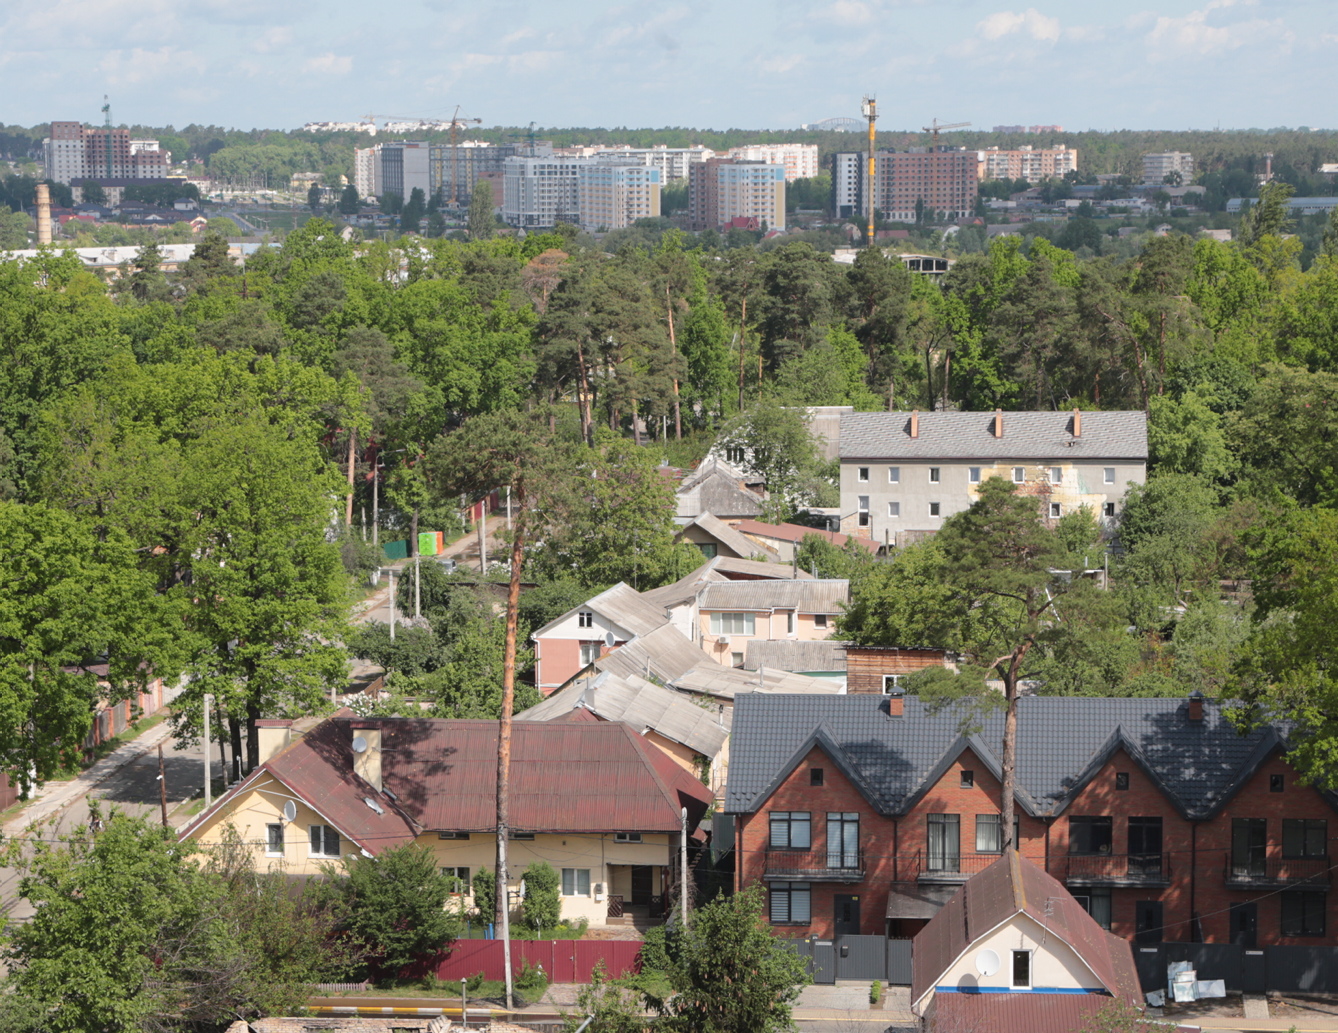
(1244, 924)
(846, 917)
(1148, 921)
(642, 880)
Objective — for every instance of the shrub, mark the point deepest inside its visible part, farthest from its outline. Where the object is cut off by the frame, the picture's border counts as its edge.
(485, 894)
(875, 991)
(543, 905)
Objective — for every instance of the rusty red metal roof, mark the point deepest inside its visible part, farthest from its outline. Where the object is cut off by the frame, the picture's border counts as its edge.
(1013, 885)
(1013, 1013)
(565, 777)
(318, 768)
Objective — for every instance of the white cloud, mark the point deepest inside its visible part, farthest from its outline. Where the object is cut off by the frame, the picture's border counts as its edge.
(1205, 32)
(849, 12)
(328, 64)
(273, 39)
(125, 67)
(1031, 22)
(780, 64)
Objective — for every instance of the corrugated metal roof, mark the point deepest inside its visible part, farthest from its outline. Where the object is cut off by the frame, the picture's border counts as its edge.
(747, 570)
(713, 679)
(1062, 740)
(1015, 1013)
(795, 655)
(664, 654)
(623, 605)
(740, 545)
(641, 704)
(1011, 886)
(969, 435)
(825, 595)
(565, 777)
(797, 532)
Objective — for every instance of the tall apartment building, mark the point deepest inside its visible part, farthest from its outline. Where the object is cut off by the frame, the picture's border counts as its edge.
(1156, 167)
(945, 179)
(1034, 164)
(849, 171)
(800, 159)
(472, 161)
(672, 162)
(401, 167)
(724, 189)
(538, 193)
(74, 151)
(364, 170)
(612, 197)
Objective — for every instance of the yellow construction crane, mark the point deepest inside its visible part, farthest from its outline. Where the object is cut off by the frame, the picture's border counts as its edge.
(456, 123)
(870, 111)
(935, 127)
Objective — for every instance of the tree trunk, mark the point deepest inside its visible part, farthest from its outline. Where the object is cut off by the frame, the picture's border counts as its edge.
(1009, 760)
(348, 505)
(743, 342)
(235, 737)
(891, 394)
(587, 418)
(413, 533)
(673, 349)
(504, 726)
(947, 374)
(252, 738)
(636, 425)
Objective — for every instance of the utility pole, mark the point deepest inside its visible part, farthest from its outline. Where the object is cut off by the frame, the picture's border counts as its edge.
(376, 495)
(162, 784)
(417, 591)
(392, 604)
(208, 788)
(683, 866)
(870, 110)
(483, 537)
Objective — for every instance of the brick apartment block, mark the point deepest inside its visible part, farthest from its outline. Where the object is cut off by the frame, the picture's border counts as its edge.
(864, 813)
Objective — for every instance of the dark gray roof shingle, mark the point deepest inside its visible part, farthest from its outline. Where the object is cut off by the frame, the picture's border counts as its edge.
(969, 435)
(1061, 741)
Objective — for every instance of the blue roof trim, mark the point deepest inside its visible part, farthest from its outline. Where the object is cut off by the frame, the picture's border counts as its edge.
(979, 990)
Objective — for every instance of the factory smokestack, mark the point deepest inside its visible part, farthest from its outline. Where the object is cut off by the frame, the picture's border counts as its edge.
(43, 214)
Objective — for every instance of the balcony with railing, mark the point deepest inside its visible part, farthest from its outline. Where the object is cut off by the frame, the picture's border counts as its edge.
(815, 865)
(1118, 870)
(1252, 872)
(934, 867)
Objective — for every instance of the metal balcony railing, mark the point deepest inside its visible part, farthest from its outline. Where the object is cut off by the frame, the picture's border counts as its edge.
(818, 865)
(935, 866)
(1277, 871)
(1132, 869)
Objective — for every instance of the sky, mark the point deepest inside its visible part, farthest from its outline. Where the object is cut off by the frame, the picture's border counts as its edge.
(755, 64)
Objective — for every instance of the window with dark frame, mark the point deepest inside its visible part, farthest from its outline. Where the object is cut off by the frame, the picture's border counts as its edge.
(842, 839)
(1303, 912)
(1022, 969)
(585, 619)
(274, 839)
(1090, 835)
(1275, 783)
(815, 776)
(1096, 902)
(1109, 509)
(945, 844)
(1305, 837)
(790, 904)
(934, 509)
(324, 841)
(790, 830)
(1145, 845)
(968, 779)
(1121, 780)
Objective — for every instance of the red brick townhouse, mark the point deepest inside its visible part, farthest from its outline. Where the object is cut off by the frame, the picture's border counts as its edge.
(863, 814)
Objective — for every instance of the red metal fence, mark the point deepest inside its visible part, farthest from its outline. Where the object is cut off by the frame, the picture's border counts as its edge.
(565, 961)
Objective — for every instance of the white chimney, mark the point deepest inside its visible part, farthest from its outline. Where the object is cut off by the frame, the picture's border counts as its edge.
(43, 214)
(367, 759)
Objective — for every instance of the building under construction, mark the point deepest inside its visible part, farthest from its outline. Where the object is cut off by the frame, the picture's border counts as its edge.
(75, 151)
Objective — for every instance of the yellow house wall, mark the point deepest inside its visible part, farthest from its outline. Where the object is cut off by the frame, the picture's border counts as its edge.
(262, 805)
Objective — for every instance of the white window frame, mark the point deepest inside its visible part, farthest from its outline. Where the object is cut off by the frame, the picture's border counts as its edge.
(973, 474)
(1019, 475)
(727, 622)
(935, 474)
(819, 620)
(627, 837)
(862, 474)
(324, 834)
(270, 829)
(589, 652)
(1056, 510)
(1056, 475)
(935, 509)
(1012, 970)
(585, 619)
(576, 882)
(891, 682)
(1108, 510)
(1108, 475)
(461, 886)
(862, 505)
(894, 510)
(894, 475)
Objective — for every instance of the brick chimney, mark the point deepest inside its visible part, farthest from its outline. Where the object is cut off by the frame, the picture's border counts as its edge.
(43, 203)
(1196, 706)
(915, 423)
(272, 737)
(1077, 422)
(998, 423)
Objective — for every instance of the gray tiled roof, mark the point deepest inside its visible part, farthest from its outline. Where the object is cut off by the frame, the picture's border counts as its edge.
(814, 595)
(1061, 741)
(968, 435)
(795, 655)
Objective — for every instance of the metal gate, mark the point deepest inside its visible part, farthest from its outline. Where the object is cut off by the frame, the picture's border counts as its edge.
(1254, 972)
(824, 961)
(861, 957)
(899, 962)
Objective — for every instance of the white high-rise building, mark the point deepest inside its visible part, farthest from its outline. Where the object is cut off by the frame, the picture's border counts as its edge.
(364, 171)
(849, 171)
(401, 167)
(1156, 167)
(538, 193)
(800, 159)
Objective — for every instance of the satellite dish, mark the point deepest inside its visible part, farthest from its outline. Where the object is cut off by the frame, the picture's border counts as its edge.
(359, 744)
(987, 963)
(289, 811)
(610, 639)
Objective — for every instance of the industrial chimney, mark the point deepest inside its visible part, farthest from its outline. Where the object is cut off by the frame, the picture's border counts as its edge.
(43, 214)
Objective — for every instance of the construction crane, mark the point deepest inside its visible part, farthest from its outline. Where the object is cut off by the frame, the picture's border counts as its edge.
(456, 123)
(870, 111)
(107, 131)
(935, 127)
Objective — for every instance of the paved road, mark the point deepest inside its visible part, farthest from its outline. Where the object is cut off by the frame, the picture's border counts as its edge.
(126, 779)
